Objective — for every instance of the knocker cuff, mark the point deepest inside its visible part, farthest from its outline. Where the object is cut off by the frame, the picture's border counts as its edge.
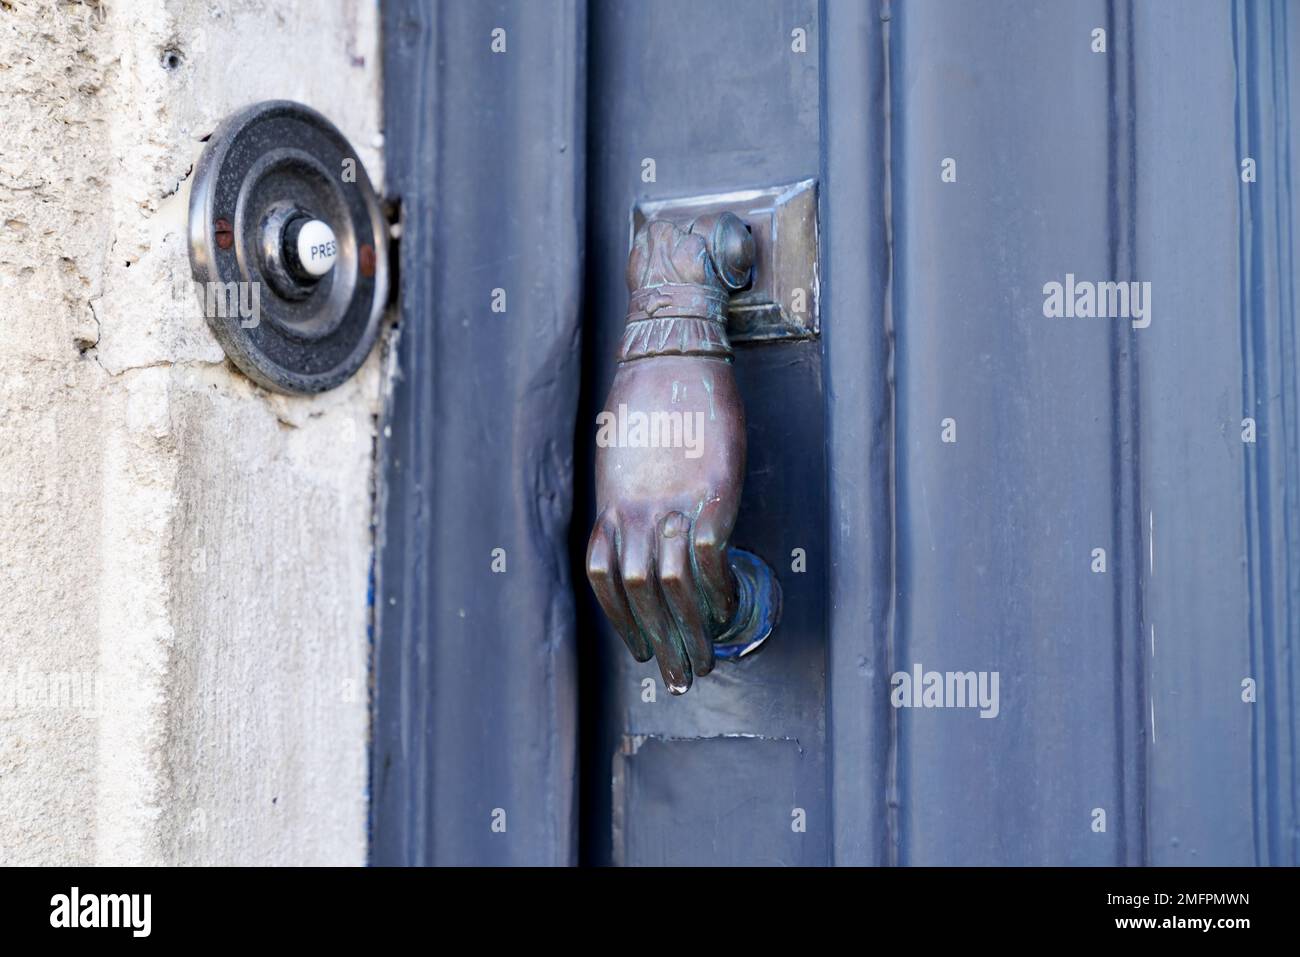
(674, 337)
(678, 299)
(676, 319)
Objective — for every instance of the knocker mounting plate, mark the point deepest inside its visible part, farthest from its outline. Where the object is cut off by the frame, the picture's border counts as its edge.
(782, 300)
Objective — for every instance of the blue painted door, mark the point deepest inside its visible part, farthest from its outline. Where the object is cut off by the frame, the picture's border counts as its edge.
(1043, 461)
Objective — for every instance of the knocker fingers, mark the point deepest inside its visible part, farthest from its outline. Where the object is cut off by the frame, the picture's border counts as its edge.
(709, 538)
(681, 593)
(607, 583)
(638, 563)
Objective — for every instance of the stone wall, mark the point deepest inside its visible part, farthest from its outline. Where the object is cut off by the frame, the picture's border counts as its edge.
(184, 557)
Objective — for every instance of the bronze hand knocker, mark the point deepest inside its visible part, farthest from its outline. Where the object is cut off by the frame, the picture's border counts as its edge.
(670, 460)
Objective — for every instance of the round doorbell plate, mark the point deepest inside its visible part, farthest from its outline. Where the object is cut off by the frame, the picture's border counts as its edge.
(288, 246)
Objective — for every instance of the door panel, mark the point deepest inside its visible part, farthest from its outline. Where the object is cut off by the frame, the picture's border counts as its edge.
(705, 800)
(475, 697)
(1121, 690)
(996, 528)
(1218, 524)
(715, 96)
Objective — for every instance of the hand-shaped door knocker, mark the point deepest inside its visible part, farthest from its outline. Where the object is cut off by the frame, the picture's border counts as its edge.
(670, 460)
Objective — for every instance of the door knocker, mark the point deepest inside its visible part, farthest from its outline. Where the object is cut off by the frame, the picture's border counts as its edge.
(670, 460)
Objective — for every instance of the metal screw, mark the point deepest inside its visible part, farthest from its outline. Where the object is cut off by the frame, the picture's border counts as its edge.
(225, 234)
